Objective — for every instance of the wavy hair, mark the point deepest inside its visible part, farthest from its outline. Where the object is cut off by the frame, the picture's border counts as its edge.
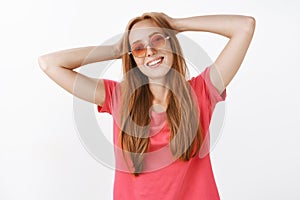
(136, 97)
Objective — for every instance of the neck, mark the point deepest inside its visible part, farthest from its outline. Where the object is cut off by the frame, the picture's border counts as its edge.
(160, 96)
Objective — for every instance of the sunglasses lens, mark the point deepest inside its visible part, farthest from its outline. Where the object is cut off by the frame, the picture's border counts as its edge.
(138, 49)
(157, 41)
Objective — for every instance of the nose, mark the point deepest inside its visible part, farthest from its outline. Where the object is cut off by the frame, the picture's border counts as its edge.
(150, 51)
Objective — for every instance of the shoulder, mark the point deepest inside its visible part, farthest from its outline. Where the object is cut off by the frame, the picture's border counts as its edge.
(112, 92)
(203, 87)
(198, 82)
(110, 83)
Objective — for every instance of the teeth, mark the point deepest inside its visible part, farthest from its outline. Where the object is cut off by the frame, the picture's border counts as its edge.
(154, 62)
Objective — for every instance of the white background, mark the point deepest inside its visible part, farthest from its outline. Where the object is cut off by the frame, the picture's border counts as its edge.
(41, 156)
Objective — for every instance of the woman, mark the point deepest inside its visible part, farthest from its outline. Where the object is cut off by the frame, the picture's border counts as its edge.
(155, 107)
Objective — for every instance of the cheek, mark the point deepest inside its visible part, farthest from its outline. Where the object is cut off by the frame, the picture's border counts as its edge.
(170, 59)
(139, 61)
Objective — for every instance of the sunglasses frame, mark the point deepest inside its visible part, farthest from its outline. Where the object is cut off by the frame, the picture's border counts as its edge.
(147, 44)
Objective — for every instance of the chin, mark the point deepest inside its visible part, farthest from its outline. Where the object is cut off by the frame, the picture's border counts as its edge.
(158, 72)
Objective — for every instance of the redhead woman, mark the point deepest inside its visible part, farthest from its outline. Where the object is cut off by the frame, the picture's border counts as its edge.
(161, 116)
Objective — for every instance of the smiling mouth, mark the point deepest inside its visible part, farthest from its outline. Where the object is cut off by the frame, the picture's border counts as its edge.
(155, 63)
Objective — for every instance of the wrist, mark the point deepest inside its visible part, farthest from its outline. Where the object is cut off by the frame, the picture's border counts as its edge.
(177, 25)
(116, 52)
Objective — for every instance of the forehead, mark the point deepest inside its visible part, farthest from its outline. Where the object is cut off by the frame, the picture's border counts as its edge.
(142, 30)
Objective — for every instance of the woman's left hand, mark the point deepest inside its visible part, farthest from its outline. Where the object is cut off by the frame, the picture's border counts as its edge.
(170, 20)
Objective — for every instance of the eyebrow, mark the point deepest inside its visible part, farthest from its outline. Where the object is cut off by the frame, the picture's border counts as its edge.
(149, 36)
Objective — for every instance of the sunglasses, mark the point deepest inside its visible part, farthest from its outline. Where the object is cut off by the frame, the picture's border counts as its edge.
(157, 41)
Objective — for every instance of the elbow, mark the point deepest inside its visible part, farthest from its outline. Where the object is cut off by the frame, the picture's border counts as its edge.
(249, 24)
(42, 62)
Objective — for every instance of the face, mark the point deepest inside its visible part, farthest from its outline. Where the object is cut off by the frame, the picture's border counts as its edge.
(151, 50)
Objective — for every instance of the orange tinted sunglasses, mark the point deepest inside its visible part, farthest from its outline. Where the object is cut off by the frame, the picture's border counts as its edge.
(157, 41)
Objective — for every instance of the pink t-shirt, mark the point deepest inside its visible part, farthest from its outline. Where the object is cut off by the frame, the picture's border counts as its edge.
(163, 179)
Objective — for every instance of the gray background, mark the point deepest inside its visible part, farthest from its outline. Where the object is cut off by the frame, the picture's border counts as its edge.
(41, 156)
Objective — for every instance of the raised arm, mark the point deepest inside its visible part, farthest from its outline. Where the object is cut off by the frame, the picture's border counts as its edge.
(60, 65)
(239, 29)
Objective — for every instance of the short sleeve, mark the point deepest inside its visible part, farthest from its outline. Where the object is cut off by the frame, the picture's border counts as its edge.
(207, 97)
(205, 90)
(212, 91)
(107, 105)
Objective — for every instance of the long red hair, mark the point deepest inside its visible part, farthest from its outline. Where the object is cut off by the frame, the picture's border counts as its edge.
(182, 112)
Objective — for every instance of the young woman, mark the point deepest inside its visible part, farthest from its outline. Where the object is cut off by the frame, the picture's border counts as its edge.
(161, 119)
